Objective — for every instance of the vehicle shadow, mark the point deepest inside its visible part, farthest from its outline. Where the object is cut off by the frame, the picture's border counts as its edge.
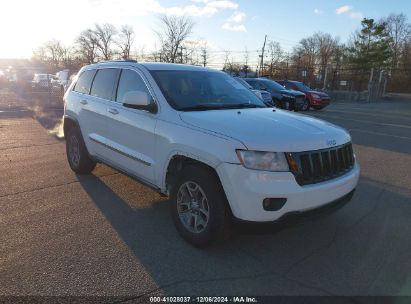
(295, 258)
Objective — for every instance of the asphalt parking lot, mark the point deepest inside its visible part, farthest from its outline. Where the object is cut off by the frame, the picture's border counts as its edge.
(105, 234)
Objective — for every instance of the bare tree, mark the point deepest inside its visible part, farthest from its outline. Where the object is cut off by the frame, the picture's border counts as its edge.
(326, 45)
(275, 54)
(125, 41)
(54, 53)
(87, 46)
(246, 67)
(228, 61)
(174, 31)
(141, 54)
(398, 30)
(104, 34)
(314, 53)
(204, 54)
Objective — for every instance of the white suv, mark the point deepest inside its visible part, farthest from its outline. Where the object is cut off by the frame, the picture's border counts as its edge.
(202, 138)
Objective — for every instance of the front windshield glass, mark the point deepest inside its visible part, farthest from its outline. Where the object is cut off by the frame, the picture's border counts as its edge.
(301, 86)
(273, 85)
(203, 90)
(244, 83)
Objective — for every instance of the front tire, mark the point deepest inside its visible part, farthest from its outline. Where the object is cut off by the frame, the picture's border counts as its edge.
(199, 206)
(306, 105)
(77, 154)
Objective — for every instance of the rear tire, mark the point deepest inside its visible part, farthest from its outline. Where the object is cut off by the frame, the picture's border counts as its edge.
(199, 207)
(77, 154)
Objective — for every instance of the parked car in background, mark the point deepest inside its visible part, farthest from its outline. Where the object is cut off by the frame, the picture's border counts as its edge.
(42, 81)
(282, 98)
(264, 95)
(315, 99)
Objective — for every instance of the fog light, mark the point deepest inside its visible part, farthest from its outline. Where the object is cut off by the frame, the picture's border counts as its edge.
(273, 204)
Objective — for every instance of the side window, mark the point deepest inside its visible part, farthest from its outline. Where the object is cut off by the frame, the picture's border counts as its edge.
(104, 83)
(130, 81)
(84, 82)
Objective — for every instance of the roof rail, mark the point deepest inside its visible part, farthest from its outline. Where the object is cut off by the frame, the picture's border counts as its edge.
(119, 60)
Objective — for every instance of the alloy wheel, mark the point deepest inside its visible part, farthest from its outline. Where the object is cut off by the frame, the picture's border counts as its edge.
(192, 207)
(74, 151)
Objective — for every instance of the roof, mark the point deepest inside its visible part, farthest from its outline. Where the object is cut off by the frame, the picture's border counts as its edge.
(151, 65)
(258, 79)
(173, 66)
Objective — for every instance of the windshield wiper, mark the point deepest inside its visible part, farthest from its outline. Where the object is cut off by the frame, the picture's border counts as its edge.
(242, 106)
(205, 107)
(202, 107)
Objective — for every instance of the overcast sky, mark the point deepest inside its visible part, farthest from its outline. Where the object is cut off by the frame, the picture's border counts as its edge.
(226, 24)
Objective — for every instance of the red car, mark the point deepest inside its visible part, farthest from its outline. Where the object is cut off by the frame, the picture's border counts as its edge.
(314, 99)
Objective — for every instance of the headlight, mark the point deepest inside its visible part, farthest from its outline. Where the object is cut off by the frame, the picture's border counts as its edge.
(265, 161)
(286, 96)
(316, 96)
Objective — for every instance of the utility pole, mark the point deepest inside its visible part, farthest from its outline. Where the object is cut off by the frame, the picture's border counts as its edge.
(325, 79)
(262, 56)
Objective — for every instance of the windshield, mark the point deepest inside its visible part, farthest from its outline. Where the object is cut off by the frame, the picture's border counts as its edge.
(244, 83)
(301, 86)
(203, 90)
(273, 85)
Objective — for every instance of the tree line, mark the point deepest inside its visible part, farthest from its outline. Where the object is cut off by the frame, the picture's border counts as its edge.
(383, 45)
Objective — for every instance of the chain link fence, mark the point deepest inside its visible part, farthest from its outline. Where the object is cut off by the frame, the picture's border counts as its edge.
(350, 84)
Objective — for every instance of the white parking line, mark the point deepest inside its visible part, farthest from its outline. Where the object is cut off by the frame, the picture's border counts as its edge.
(387, 115)
(379, 133)
(365, 121)
(14, 111)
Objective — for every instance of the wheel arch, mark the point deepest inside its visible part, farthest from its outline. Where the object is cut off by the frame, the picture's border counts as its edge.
(179, 161)
(68, 123)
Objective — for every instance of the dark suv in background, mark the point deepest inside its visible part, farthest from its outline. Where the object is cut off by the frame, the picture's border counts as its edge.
(315, 99)
(264, 95)
(282, 98)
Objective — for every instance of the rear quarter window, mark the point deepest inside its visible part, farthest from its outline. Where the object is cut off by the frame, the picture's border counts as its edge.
(83, 83)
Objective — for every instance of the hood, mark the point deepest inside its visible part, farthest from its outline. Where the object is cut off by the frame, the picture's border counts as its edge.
(321, 94)
(268, 130)
(292, 93)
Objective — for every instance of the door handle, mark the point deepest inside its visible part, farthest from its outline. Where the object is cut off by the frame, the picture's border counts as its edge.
(83, 102)
(113, 111)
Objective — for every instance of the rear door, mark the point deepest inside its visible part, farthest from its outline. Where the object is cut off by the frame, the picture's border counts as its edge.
(89, 117)
(97, 91)
(131, 131)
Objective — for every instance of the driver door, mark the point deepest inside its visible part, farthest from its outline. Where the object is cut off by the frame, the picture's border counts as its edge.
(130, 132)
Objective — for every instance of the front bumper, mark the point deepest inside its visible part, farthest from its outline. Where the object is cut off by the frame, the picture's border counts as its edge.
(246, 189)
(321, 102)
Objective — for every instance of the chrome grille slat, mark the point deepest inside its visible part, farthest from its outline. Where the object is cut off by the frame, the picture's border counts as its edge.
(321, 165)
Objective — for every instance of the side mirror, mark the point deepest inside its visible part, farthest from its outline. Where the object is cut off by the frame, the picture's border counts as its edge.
(139, 100)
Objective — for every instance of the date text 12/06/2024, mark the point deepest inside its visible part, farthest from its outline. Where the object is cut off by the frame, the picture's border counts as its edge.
(240, 299)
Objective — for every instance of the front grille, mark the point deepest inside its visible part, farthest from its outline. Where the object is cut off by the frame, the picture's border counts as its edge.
(300, 100)
(313, 167)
